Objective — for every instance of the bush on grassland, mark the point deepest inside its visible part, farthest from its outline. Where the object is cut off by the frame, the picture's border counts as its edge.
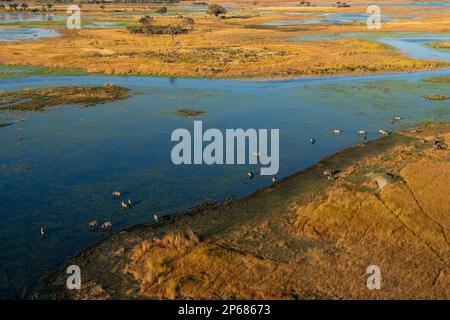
(150, 29)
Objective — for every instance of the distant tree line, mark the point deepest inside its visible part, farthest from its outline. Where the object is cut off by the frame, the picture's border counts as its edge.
(15, 6)
(24, 6)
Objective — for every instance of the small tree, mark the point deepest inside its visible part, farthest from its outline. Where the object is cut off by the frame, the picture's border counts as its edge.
(13, 6)
(216, 10)
(162, 10)
(24, 6)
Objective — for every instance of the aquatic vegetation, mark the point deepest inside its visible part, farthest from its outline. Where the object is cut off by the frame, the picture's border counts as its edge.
(438, 79)
(39, 99)
(436, 97)
(7, 72)
(185, 112)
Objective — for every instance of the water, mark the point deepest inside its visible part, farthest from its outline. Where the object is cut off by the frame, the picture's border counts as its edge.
(328, 18)
(193, 7)
(69, 160)
(338, 18)
(11, 34)
(284, 23)
(28, 17)
(19, 34)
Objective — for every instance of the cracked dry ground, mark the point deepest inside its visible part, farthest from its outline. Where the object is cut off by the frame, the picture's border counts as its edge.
(304, 238)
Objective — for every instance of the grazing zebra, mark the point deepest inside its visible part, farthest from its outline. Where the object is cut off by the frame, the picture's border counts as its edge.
(328, 173)
(106, 225)
(362, 132)
(93, 224)
(438, 145)
(116, 195)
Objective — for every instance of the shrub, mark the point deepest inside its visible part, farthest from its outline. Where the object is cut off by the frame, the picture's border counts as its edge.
(216, 10)
(150, 29)
(147, 20)
(162, 10)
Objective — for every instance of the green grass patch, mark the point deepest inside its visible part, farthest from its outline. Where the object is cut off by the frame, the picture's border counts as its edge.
(9, 72)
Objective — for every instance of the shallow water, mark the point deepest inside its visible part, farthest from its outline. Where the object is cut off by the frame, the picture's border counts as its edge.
(328, 18)
(19, 34)
(59, 167)
(284, 23)
(192, 7)
(28, 17)
(12, 34)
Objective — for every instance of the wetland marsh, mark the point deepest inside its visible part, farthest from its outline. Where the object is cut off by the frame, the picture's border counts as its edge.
(59, 166)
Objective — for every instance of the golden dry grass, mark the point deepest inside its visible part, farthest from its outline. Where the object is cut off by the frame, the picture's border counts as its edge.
(225, 48)
(444, 45)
